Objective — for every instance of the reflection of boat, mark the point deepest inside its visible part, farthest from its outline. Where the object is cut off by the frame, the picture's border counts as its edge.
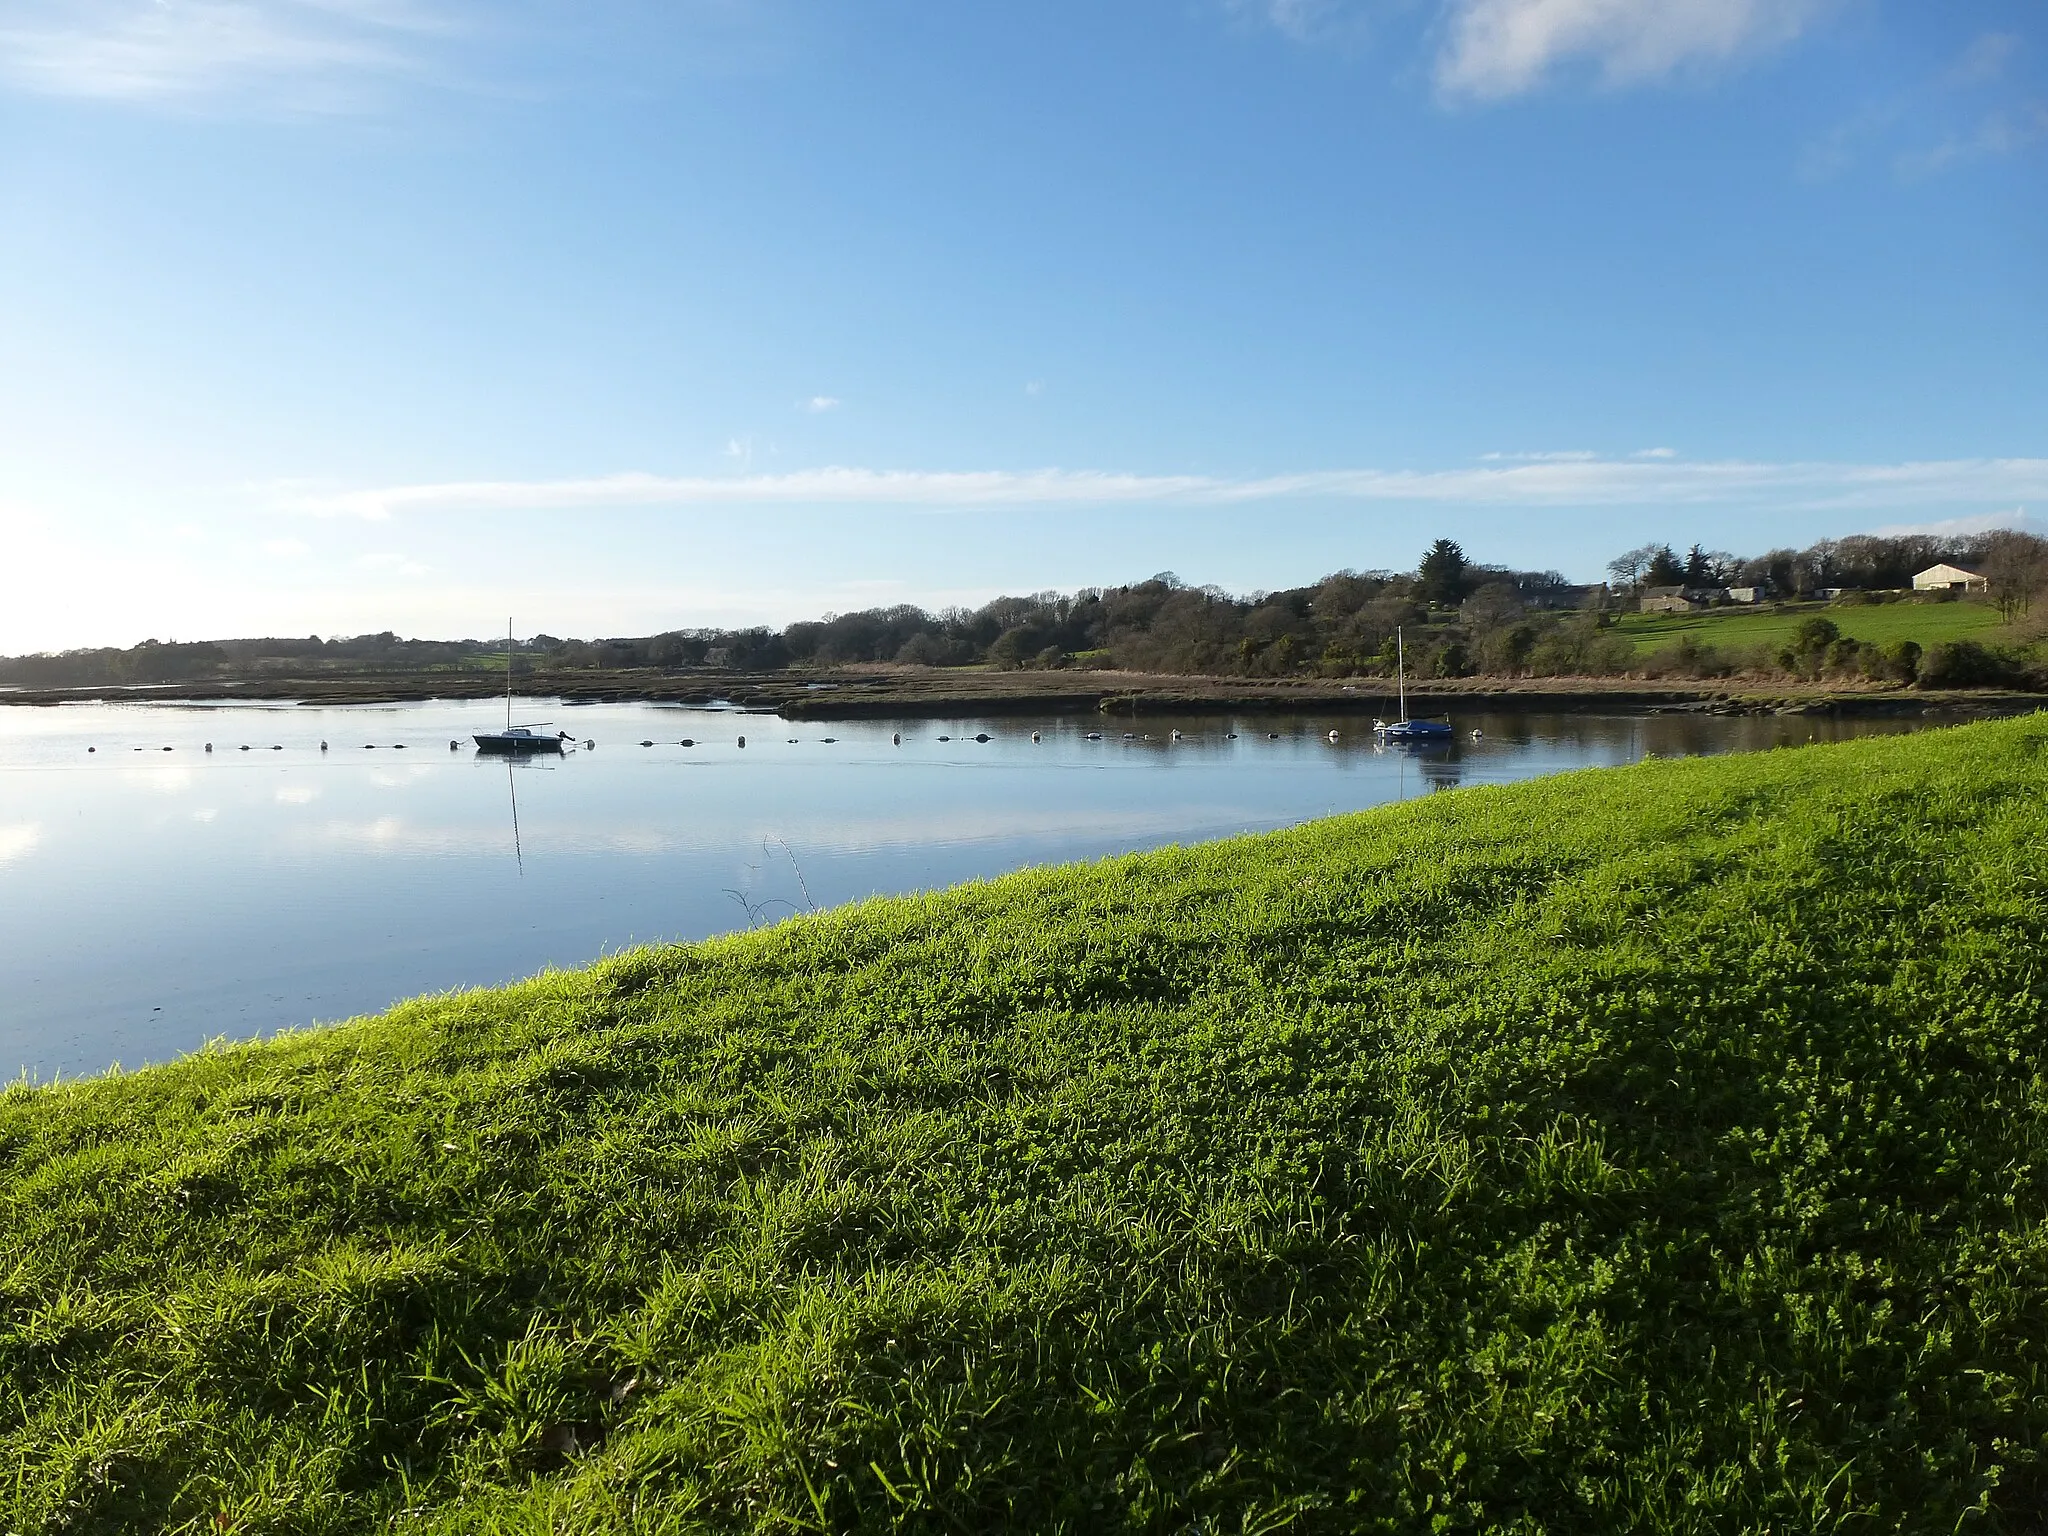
(1405, 729)
(519, 740)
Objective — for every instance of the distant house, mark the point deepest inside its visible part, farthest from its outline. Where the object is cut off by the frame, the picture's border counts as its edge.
(1949, 578)
(1678, 599)
(1829, 594)
(1748, 594)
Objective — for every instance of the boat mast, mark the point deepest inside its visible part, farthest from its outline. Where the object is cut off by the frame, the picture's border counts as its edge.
(1400, 670)
(508, 673)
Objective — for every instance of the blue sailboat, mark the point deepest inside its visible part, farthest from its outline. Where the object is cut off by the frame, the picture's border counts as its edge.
(1405, 729)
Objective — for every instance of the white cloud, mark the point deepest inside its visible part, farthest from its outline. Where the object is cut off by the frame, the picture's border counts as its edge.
(1500, 48)
(1953, 527)
(305, 51)
(1572, 479)
(817, 405)
(1655, 453)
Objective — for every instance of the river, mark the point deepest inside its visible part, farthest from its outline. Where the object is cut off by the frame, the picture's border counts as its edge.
(154, 894)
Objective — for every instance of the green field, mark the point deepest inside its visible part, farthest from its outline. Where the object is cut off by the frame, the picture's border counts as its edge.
(1879, 623)
(1659, 1148)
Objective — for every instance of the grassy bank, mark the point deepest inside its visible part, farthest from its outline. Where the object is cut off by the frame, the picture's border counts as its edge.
(1657, 1148)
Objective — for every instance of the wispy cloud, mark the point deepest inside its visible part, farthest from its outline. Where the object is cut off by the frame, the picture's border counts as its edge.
(1535, 480)
(1985, 59)
(1496, 49)
(1938, 112)
(319, 53)
(2000, 133)
(1951, 527)
(817, 405)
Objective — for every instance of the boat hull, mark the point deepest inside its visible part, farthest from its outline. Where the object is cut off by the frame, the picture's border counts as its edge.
(1416, 730)
(517, 746)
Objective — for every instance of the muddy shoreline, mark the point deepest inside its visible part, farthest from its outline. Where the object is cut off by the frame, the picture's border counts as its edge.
(874, 693)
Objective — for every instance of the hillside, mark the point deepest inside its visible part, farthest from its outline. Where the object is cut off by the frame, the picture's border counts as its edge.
(1733, 629)
(1657, 1148)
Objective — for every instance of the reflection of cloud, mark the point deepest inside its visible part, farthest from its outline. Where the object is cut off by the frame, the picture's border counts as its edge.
(209, 814)
(18, 840)
(297, 794)
(165, 781)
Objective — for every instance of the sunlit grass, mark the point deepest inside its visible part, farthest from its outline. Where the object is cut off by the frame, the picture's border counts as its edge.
(1735, 629)
(1656, 1148)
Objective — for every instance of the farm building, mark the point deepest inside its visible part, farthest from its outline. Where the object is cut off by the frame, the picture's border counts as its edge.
(1680, 599)
(1748, 594)
(1948, 578)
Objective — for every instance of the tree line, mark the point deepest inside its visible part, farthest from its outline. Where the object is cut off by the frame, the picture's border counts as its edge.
(1461, 617)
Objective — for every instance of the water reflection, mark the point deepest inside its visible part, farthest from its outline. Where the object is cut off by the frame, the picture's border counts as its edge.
(158, 894)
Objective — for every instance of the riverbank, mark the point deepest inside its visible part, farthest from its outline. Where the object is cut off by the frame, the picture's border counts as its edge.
(1445, 1166)
(858, 693)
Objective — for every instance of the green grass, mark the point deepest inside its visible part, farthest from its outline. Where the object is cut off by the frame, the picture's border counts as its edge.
(1648, 1149)
(1879, 623)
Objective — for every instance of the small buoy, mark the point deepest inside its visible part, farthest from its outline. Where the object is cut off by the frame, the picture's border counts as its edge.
(452, 747)
(896, 739)
(646, 743)
(1175, 736)
(983, 736)
(743, 741)
(1034, 737)
(1095, 735)
(1476, 734)
(323, 746)
(242, 749)
(1333, 736)
(1130, 735)
(1230, 735)
(828, 740)
(792, 741)
(945, 738)
(368, 746)
(168, 749)
(1272, 735)
(275, 748)
(686, 742)
(95, 749)
(590, 746)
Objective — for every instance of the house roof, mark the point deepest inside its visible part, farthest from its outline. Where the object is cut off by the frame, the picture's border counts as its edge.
(1664, 591)
(1960, 570)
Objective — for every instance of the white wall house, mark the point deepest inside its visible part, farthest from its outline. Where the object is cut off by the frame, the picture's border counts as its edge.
(1948, 578)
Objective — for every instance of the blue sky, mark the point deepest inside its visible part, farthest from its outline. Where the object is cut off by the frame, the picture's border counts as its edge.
(340, 315)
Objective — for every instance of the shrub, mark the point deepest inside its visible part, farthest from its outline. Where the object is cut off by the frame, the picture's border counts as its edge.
(1967, 664)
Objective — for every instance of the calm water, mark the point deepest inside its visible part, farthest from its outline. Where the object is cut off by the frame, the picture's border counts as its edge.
(150, 899)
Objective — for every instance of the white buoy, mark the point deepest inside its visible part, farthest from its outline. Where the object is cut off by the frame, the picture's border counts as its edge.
(1476, 734)
(1333, 736)
(1034, 736)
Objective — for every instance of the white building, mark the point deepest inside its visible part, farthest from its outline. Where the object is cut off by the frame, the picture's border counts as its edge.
(1948, 578)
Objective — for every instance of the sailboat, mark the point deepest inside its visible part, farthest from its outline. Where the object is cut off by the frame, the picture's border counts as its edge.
(1405, 729)
(516, 738)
